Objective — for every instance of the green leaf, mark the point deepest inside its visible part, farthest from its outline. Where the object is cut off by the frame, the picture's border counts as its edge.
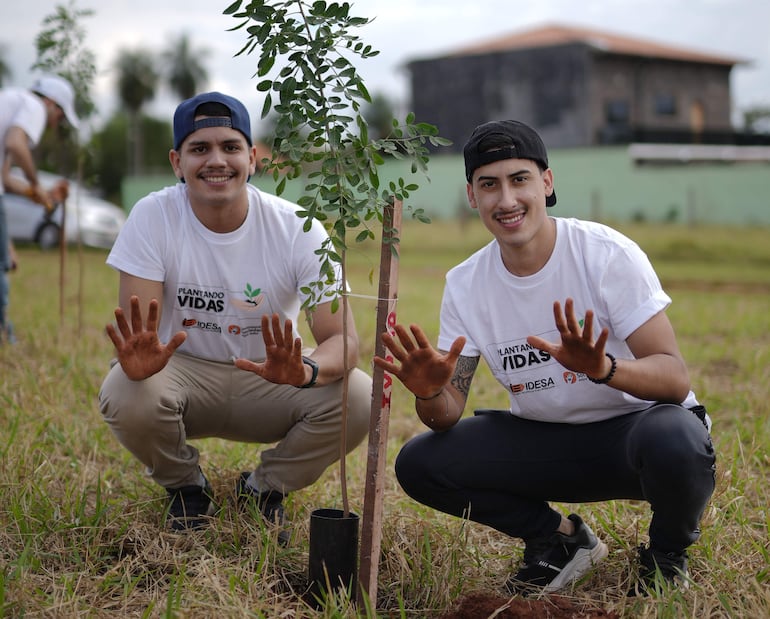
(233, 7)
(265, 65)
(439, 141)
(364, 93)
(364, 235)
(267, 105)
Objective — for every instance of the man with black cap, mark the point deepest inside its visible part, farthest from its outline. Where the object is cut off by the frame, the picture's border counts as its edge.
(600, 399)
(24, 116)
(213, 274)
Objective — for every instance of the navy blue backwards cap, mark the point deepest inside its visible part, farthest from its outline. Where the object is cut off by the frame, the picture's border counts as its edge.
(504, 139)
(185, 123)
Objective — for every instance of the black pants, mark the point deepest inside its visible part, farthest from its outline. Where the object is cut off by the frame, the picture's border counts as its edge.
(501, 471)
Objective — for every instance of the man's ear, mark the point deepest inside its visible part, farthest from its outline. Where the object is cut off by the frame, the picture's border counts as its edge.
(471, 195)
(252, 160)
(548, 179)
(173, 158)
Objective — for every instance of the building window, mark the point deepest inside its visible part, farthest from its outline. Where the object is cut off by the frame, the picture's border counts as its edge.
(665, 105)
(617, 112)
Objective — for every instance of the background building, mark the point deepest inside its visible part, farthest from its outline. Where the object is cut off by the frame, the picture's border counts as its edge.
(579, 87)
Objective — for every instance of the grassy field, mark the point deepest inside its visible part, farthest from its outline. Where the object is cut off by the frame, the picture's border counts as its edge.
(81, 527)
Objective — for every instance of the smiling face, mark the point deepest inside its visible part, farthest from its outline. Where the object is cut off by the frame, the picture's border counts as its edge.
(215, 163)
(510, 197)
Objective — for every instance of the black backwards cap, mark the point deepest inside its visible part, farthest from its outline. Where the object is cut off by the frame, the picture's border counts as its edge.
(504, 139)
(186, 111)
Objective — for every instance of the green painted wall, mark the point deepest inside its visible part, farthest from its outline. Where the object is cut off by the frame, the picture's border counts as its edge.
(591, 183)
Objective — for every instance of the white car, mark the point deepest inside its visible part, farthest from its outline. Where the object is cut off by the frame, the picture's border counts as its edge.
(94, 221)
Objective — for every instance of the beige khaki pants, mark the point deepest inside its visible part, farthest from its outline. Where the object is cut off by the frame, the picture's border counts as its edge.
(193, 398)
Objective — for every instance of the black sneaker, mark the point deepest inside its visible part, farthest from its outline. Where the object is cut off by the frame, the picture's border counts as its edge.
(270, 505)
(189, 507)
(660, 571)
(551, 563)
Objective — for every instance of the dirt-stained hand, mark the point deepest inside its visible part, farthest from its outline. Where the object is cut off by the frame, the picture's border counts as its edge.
(577, 350)
(139, 351)
(283, 363)
(421, 368)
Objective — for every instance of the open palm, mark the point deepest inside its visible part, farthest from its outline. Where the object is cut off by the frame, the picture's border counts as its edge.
(140, 353)
(422, 369)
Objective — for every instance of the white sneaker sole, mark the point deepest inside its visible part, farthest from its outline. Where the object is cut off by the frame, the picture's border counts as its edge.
(583, 561)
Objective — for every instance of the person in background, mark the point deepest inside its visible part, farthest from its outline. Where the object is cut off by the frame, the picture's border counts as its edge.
(570, 317)
(24, 115)
(48, 199)
(213, 274)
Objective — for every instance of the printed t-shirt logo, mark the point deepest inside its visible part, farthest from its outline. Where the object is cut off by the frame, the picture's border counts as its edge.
(251, 300)
(513, 356)
(537, 384)
(200, 300)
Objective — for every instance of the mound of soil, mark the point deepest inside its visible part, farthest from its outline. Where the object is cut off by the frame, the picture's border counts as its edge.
(485, 605)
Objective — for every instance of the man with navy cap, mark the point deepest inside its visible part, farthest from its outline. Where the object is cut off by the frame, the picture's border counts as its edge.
(570, 318)
(24, 116)
(213, 274)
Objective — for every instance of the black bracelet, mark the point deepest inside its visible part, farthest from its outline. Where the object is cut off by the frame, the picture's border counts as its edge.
(314, 375)
(608, 378)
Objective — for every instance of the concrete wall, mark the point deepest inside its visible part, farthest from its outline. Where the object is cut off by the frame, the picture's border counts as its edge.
(600, 183)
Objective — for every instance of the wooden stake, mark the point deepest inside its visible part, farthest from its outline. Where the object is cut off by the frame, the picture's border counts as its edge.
(371, 527)
(62, 259)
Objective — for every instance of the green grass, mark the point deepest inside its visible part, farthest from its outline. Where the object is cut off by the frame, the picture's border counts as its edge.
(80, 525)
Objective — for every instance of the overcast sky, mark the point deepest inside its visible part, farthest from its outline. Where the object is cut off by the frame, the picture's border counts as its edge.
(403, 30)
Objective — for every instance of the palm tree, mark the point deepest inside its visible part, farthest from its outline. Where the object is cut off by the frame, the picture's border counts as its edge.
(184, 71)
(137, 83)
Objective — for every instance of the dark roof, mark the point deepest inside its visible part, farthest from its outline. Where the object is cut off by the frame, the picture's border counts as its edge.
(556, 34)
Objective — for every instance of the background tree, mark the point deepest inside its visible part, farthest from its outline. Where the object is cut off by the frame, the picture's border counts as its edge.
(757, 119)
(61, 50)
(185, 72)
(108, 149)
(137, 84)
(5, 69)
(379, 114)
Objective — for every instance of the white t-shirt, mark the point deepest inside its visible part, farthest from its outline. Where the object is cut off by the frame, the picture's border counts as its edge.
(601, 270)
(218, 286)
(24, 109)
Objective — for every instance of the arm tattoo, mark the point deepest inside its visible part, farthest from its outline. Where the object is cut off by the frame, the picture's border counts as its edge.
(466, 367)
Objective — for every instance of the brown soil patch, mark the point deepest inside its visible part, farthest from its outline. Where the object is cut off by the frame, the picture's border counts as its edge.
(485, 605)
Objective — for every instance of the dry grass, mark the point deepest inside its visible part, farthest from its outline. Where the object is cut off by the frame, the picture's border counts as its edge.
(80, 527)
